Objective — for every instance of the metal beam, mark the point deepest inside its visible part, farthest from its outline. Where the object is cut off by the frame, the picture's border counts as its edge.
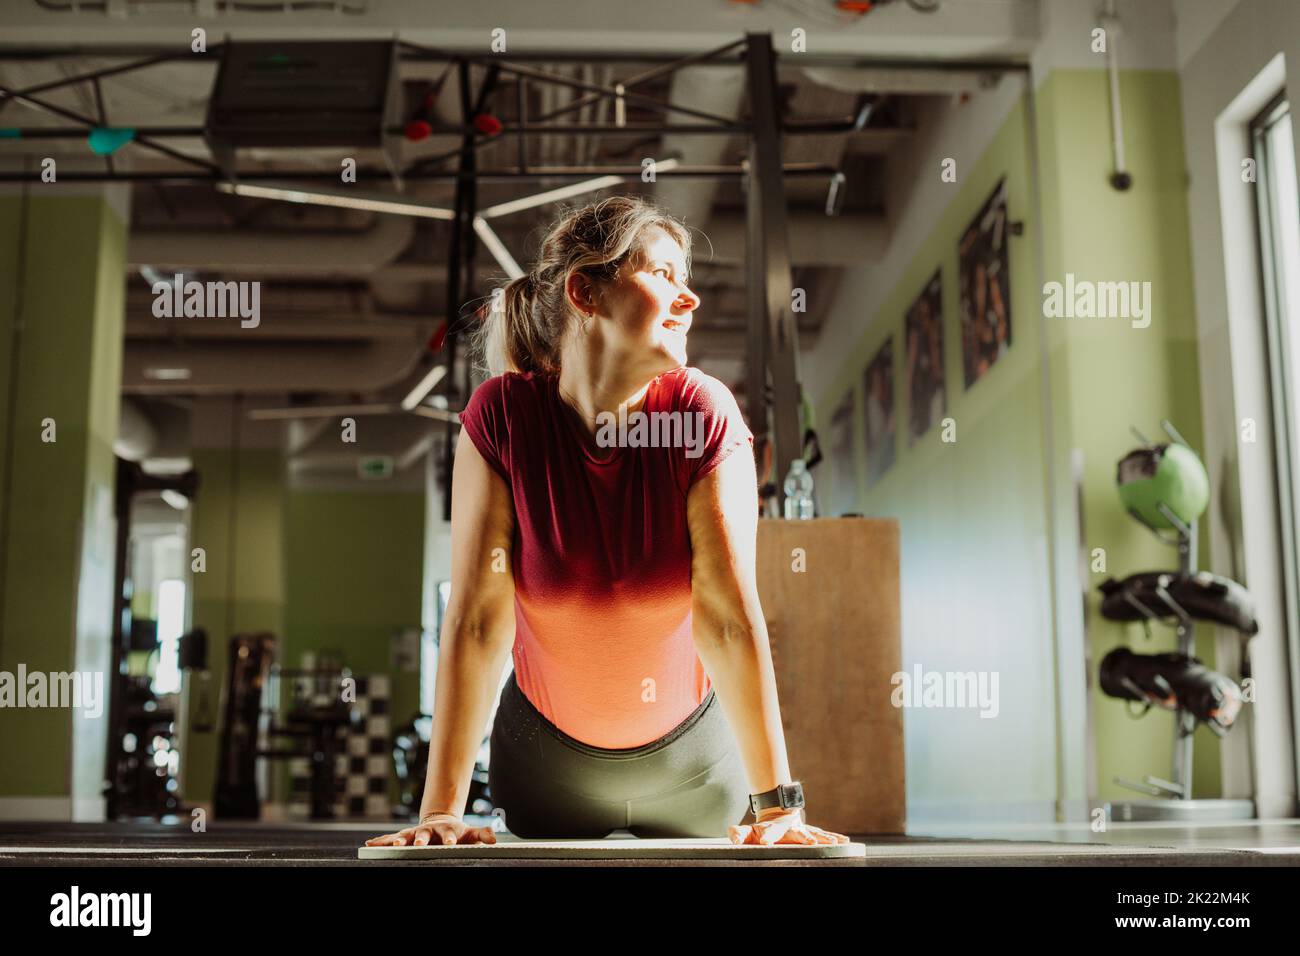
(596, 89)
(416, 53)
(645, 77)
(611, 92)
(774, 338)
(506, 174)
(462, 254)
(95, 75)
(797, 127)
(90, 124)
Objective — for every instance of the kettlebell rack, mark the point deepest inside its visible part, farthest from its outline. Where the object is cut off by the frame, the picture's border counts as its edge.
(1175, 796)
(1180, 788)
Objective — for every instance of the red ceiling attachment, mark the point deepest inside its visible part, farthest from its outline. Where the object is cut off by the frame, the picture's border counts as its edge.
(417, 130)
(486, 124)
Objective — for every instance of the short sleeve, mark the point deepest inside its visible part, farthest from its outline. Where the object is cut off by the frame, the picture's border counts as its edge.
(722, 428)
(486, 423)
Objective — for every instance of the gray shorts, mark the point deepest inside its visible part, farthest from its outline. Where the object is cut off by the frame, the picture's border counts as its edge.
(689, 783)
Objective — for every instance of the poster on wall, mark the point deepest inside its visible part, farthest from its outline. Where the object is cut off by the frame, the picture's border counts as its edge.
(984, 277)
(844, 472)
(879, 379)
(923, 329)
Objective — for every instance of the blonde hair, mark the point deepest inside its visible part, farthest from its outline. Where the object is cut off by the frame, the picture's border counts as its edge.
(526, 331)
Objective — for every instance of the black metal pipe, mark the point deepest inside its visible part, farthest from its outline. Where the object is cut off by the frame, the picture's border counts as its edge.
(773, 342)
(645, 77)
(606, 92)
(89, 123)
(491, 175)
(417, 53)
(794, 127)
(95, 75)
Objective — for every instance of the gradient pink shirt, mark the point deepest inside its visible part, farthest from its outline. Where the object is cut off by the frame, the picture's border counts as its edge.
(602, 556)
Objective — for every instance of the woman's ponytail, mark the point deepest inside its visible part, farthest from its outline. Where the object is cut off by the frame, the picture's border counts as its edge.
(508, 338)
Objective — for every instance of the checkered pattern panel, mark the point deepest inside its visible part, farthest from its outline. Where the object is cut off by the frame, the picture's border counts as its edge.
(364, 763)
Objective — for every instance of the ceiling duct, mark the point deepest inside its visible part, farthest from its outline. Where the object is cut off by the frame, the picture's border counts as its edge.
(300, 95)
(136, 434)
(918, 81)
(351, 254)
(712, 90)
(218, 367)
(814, 239)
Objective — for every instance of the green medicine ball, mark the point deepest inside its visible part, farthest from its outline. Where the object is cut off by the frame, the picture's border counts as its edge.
(1171, 474)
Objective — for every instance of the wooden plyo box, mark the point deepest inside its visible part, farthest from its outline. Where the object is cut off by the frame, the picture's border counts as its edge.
(834, 629)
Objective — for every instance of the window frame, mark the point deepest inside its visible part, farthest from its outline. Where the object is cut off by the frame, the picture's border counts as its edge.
(1283, 377)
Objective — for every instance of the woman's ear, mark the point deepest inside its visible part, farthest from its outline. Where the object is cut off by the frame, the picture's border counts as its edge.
(581, 292)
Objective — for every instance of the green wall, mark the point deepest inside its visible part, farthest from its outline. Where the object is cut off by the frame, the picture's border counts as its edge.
(61, 309)
(322, 570)
(975, 513)
(1108, 375)
(972, 512)
(238, 522)
(354, 563)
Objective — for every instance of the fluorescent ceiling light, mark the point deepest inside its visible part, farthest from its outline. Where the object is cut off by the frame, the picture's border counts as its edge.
(498, 248)
(566, 192)
(167, 374)
(371, 202)
(175, 499)
(424, 411)
(426, 384)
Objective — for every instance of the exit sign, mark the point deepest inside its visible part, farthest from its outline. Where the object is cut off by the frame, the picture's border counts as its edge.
(375, 466)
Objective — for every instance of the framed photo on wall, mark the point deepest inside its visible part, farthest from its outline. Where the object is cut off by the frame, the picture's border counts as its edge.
(923, 330)
(879, 405)
(984, 278)
(844, 470)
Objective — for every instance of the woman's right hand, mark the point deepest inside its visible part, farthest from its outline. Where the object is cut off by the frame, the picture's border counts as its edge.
(446, 829)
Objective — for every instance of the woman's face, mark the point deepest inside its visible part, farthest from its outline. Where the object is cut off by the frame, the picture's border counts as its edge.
(649, 307)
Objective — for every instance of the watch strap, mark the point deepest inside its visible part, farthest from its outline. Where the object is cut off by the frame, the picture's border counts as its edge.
(788, 796)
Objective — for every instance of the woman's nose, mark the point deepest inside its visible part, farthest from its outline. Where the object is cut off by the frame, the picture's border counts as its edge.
(688, 300)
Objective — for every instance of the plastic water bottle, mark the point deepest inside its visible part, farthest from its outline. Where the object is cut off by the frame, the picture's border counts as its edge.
(798, 491)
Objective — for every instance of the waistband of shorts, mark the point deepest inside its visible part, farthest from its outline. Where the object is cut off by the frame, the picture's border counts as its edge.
(606, 753)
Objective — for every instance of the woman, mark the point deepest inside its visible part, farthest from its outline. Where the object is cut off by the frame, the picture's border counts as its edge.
(619, 574)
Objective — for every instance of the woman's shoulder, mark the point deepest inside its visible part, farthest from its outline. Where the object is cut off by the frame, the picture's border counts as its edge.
(508, 387)
(504, 400)
(696, 390)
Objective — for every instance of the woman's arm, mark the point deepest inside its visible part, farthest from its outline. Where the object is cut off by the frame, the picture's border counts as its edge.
(731, 635)
(478, 629)
(729, 630)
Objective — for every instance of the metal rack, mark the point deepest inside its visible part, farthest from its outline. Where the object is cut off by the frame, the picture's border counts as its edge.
(1172, 799)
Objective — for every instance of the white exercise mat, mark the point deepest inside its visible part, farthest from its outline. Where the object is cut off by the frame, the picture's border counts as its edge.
(618, 848)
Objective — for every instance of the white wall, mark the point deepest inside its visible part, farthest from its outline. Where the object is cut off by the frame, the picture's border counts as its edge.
(967, 28)
(1195, 21)
(1234, 72)
(1145, 41)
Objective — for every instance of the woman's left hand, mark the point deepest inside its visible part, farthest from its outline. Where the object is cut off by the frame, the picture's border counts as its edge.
(785, 826)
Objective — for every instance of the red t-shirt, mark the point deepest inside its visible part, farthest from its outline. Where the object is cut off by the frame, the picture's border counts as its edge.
(602, 555)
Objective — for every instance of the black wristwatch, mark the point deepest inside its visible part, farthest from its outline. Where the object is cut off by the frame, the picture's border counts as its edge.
(788, 796)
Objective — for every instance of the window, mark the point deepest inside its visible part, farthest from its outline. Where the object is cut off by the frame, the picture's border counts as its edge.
(1279, 235)
(429, 650)
(171, 623)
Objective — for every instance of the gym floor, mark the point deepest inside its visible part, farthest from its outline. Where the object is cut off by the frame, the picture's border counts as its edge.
(1252, 843)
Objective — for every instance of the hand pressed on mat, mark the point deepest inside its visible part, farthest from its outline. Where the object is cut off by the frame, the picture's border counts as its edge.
(444, 828)
(775, 825)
